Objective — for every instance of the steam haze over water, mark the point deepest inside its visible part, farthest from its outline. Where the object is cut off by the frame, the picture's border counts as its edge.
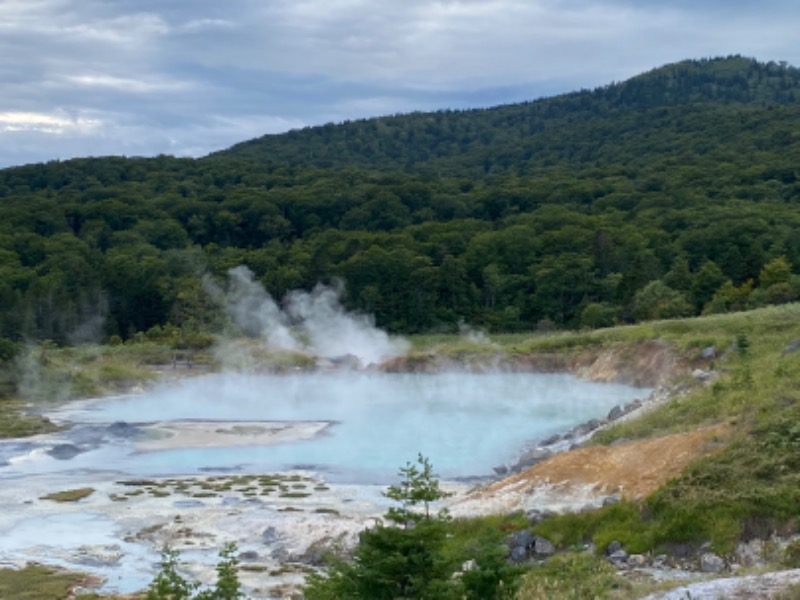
(465, 423)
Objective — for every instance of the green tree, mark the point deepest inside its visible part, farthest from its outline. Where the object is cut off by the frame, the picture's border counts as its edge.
(168, 584)
(659, 301)
(401, 561)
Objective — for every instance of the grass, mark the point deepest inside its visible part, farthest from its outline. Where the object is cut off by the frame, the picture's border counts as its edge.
(69, 495)
(37, 582)
(573, 575)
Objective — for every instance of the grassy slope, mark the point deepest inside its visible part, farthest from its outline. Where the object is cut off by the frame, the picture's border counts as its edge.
(751, 487)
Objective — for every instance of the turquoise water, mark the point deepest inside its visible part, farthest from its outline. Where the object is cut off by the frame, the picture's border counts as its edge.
(465, 423)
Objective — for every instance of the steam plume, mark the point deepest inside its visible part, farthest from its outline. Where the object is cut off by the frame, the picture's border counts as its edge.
(313, 321)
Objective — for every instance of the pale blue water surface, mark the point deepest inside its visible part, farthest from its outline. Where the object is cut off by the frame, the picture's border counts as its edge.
(465, 423)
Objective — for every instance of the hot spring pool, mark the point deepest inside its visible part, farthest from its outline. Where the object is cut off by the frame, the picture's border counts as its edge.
(465, 423)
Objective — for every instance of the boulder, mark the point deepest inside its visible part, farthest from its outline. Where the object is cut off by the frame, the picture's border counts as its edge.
(531, 457)
(270, 535)
(64, 451)
(791, 347)
(551, 440)
(618, 558)
(122, 429)
(613, 547)
(711, 563)
(709, 352)
(637, 561)
(536, 515)
(518, 555)
(615, 413)
(543, 547)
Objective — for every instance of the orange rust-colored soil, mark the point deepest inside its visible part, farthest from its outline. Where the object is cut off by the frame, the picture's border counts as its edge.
(633, 469)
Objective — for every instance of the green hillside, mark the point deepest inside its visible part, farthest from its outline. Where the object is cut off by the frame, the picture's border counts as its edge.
(671, 194)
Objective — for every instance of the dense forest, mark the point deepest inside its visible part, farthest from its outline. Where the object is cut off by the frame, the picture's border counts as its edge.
(671, 194)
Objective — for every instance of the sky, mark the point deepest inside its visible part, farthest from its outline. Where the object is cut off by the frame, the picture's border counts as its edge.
(189, 77)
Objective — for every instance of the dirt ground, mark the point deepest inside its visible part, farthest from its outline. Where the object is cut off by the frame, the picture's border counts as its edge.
(633, 469)
(586, 476)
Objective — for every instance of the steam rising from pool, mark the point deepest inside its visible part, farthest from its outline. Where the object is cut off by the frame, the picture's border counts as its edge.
(313, 322)
(465, 423)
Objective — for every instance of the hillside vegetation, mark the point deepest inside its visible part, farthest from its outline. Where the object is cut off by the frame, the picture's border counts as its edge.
(668, 195)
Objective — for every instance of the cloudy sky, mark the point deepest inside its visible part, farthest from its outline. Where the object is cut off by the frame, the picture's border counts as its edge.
(187, 77)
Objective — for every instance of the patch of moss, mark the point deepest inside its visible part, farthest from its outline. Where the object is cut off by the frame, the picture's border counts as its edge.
(69, 495)
(37, 582)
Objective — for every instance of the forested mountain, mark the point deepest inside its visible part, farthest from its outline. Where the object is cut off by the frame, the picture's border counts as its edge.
(669, 194)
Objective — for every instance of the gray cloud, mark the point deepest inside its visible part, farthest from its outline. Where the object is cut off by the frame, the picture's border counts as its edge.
(91, 77)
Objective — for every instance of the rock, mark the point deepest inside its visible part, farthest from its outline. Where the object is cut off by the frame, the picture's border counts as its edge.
(709, 352)
(270, 535)
(123, 430)
(660, 561)
(346, 361)
(637, 561)
(536, 516)
(613, 547)
(612, 499)
(248, 555)
(522, 539)
(98, 555)
(615, 413)
(702, 375)
(593, 424)
(531, 457)
(518, 555)
(620, 557)
(551, 440)
(791, 347)
(188, 504)
(543, 547)
(469, 565)
(501, 469)
(711, 563)
(64, 451)
(632, 406)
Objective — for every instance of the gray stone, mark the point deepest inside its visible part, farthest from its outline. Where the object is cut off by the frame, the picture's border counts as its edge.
(518, 555)
(536, 516)
(711, 563)
(619, 557)
(612, 499)
(64, 451)
(551, 440)
(469, 565)
(593, 424)
(522, 539)
(637, 561)
(123, 430)
(501, 469)
(613, 547)
(531, 457)
(543, 547)
(791, 347)
(269, 535)
(188, 504)
(632, 406)
(248, 555)
(709, 352)
(615, 413)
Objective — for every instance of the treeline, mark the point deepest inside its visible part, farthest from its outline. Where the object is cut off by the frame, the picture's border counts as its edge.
(674, 193)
